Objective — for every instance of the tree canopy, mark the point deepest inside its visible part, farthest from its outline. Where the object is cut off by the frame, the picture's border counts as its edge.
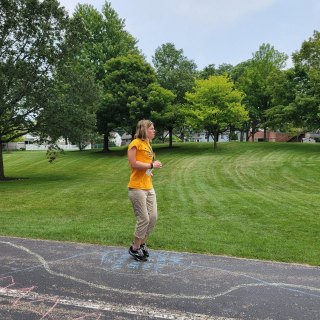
(106, 39)
(216, 105)
(71, 112)
(253, 78)
(126, 88)
(176, 73)
(307, 66)
(31, 47)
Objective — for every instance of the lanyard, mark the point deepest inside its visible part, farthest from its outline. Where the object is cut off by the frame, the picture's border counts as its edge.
(151, 152)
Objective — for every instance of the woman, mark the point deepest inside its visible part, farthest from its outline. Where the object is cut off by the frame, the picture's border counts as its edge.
(141, 192)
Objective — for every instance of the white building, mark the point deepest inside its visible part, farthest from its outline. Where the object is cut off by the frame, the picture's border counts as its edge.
(203, 137)
(115, 138)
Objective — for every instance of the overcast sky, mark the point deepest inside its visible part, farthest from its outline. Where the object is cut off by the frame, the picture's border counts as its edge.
(215, 31)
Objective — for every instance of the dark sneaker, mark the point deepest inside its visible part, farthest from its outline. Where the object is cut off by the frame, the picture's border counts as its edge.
(144, 249)
(137, 254)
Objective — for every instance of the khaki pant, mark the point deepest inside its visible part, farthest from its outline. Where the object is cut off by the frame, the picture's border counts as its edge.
(144, 204)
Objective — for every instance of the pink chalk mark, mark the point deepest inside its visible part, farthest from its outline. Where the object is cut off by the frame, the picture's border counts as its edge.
(50, 310)
(10, 284)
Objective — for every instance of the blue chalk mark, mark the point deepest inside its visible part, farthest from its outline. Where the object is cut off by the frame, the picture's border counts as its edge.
(159, 263)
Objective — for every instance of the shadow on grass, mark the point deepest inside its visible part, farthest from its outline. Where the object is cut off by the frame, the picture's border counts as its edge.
(196, 148)
(8, 179)
(37, 179)
(114, 152)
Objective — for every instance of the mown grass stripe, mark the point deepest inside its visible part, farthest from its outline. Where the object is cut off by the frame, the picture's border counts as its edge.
(257, 200)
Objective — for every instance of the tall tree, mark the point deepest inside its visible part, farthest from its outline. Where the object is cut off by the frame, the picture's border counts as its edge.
(176, 73)
(71, 111)
(253, 78)
(282, 89)
(126, 89)
(106, 39)
(307, 67)
(295, 92)
(216, 105)
(163, 112)
(31, 46)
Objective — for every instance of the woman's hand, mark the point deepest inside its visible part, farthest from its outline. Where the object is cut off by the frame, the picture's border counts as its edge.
(157, 164)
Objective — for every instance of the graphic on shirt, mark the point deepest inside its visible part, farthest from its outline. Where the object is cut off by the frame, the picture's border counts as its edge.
(150, 153)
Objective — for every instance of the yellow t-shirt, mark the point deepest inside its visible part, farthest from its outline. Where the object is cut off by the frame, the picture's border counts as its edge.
(138, 178)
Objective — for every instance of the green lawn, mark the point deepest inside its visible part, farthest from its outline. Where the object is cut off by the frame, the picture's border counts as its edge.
(255, 200)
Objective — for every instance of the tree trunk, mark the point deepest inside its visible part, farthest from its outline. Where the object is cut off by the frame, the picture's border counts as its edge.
(264, 134)
(215, 139)
(106, 142)
(133, 134)
(2, 177)
(170, 137)
(241, 136)
(253, 132)
(247, 135)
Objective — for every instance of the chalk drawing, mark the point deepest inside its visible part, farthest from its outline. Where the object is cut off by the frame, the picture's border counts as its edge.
(23, 296)
(51, 262)
(160, 263)
(7, 279)
(143, 311)
(260, 283)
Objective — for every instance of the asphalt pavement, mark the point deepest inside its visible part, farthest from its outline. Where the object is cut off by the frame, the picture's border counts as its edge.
(68, 281)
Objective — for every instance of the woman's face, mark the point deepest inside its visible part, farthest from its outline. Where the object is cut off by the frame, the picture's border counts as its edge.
(151, 132)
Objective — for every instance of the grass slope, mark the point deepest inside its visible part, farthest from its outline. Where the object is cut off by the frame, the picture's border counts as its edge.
(255, 200)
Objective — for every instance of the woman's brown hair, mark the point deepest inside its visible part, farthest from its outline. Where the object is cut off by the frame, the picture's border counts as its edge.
(141, 131)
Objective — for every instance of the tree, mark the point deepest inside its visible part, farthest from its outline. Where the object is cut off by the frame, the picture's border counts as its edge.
(295, 92)
(31, 46)
(216, 105)
(71, 111)
(252, 77)
(307, 68)
(211, 70)
(106, 39)
(126, 89)
(163, 112)
(282, 90)
(175, 73)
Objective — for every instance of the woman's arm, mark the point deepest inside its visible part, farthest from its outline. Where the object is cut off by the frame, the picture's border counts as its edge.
(134, 163)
